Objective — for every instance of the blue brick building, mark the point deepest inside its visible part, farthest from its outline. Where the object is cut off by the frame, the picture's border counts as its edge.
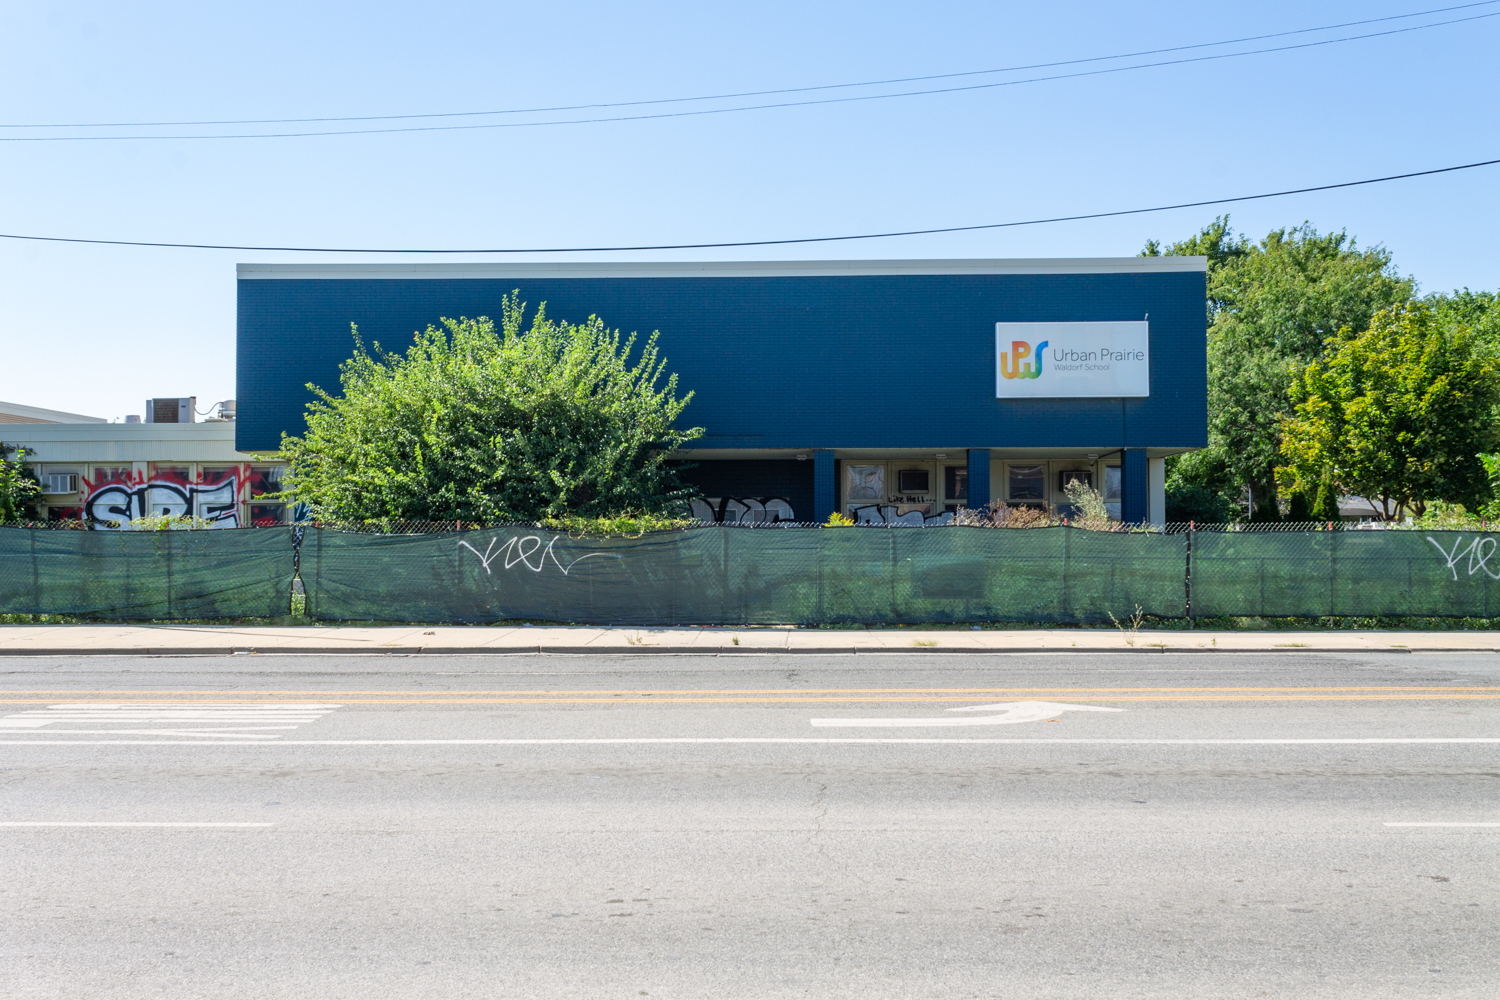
(890, 390)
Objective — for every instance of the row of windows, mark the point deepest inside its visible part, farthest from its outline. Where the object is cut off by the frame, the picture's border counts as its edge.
(229, 495)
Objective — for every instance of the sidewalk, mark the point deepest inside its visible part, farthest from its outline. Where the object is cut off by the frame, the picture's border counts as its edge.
(70, 640)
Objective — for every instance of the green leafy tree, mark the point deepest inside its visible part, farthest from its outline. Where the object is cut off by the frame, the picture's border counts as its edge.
(19, 488)
(482, 423)
(1272, 305)
(1399, 413)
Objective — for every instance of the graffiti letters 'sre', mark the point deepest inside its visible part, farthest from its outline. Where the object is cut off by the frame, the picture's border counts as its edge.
(117, 503)
(520, 549)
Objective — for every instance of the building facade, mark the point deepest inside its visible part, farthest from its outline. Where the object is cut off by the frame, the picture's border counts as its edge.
(893, 391)
(112, 474)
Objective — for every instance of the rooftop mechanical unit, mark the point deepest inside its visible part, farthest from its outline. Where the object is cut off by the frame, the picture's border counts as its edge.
(177, 410)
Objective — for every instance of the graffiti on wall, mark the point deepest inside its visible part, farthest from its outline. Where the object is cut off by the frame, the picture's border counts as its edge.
(117, 501)
(913, 514)
(1478, 553)
(743, 510)
(529, 551)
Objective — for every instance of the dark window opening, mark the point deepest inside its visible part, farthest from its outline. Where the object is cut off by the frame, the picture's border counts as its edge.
(956, 482)
(913, 481)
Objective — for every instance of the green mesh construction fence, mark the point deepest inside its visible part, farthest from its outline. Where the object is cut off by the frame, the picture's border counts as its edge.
(147, 574)
(743, 575)
(1345, 574)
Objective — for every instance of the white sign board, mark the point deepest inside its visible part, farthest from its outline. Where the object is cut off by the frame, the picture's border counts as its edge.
(1072, 360)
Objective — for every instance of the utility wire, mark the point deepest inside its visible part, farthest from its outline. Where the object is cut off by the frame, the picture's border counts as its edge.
(768, 243)
(785, 90)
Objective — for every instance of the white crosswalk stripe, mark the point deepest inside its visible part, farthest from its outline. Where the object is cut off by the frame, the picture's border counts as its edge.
(209, 721)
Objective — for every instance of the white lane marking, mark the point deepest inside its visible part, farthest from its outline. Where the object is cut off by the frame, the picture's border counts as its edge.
(247, 722)
(189, 825)
(655, 741)
(1443, 824)
(1011, 711)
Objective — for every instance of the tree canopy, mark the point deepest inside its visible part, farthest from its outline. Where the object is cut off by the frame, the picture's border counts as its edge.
(1398, 413)
(19, 489)
(485, 423)
(1272, 305)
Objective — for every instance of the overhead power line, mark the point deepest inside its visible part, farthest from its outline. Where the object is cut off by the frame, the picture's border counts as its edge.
(794, 90)
(768, 243)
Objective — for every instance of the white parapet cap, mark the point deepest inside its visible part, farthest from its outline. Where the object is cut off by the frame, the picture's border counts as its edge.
(106, 444)
(20, 413)
(724, 268)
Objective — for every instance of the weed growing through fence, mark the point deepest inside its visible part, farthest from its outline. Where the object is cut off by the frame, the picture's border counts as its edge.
(1000, 515)
(1089, 502)
(837, 520)
(631, 524)
(1131, 625)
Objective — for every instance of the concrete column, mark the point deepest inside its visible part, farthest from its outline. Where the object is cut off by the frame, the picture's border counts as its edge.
(979, 478)
(1135, 489)
(825, 485)
(1156, 476)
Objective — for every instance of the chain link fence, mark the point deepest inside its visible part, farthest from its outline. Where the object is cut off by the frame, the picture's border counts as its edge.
(759, 573)
(146, 574)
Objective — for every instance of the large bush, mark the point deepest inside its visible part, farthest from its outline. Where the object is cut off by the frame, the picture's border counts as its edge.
(481, 423)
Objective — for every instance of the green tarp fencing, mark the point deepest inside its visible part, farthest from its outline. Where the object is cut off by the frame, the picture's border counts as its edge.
(147, 574)
(745, 575)
(732, 575)
(1345, 574)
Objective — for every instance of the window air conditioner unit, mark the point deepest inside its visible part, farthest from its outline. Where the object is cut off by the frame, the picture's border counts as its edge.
(172, 410)
(60, 482)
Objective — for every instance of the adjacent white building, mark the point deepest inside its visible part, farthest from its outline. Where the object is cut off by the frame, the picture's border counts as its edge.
(113, 473)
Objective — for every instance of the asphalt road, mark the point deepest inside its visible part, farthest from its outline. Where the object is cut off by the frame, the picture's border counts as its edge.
(678, 827)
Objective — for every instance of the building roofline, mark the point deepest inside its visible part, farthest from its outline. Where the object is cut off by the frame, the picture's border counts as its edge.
(721, 269)
(39, 414)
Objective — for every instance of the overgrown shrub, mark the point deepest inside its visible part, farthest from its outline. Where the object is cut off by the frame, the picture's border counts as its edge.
(483, 423)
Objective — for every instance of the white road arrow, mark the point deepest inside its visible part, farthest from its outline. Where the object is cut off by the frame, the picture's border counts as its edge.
(1011, 711)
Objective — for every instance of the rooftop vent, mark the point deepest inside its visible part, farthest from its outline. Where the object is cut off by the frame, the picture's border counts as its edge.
(177, 410)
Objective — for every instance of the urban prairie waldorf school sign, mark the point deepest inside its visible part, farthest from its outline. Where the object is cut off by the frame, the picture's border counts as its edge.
(1059, 360)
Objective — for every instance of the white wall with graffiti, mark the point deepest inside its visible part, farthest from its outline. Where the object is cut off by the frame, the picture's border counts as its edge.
(109, 475)
(743, 510)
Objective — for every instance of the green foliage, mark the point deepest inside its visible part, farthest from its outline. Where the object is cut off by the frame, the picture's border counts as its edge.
(167, 522)
(631, 524)
(1089, 502)
(838, 520)
(483, 424)
(1188, 501)
(19, 488)
(1399, 413)
(1443, 516)
(1272, 305)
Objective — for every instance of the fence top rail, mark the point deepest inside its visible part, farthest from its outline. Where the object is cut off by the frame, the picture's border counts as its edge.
(396, 526)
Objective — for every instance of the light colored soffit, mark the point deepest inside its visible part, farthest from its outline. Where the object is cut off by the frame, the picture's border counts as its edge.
(724, 269)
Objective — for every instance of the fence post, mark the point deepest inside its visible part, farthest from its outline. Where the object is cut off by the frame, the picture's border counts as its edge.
(724, 577)
(1067, 555)
(1333, 572)
(36, 576)
(1187, 580)
(895, 614)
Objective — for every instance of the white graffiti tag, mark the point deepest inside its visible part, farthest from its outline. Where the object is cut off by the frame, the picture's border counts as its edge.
(520, 550)
(1479, 552)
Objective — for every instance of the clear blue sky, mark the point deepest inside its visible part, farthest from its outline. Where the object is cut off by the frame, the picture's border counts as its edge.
(98, 329)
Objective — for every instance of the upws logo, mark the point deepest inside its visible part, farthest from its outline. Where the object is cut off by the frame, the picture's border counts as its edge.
(1010, 361)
